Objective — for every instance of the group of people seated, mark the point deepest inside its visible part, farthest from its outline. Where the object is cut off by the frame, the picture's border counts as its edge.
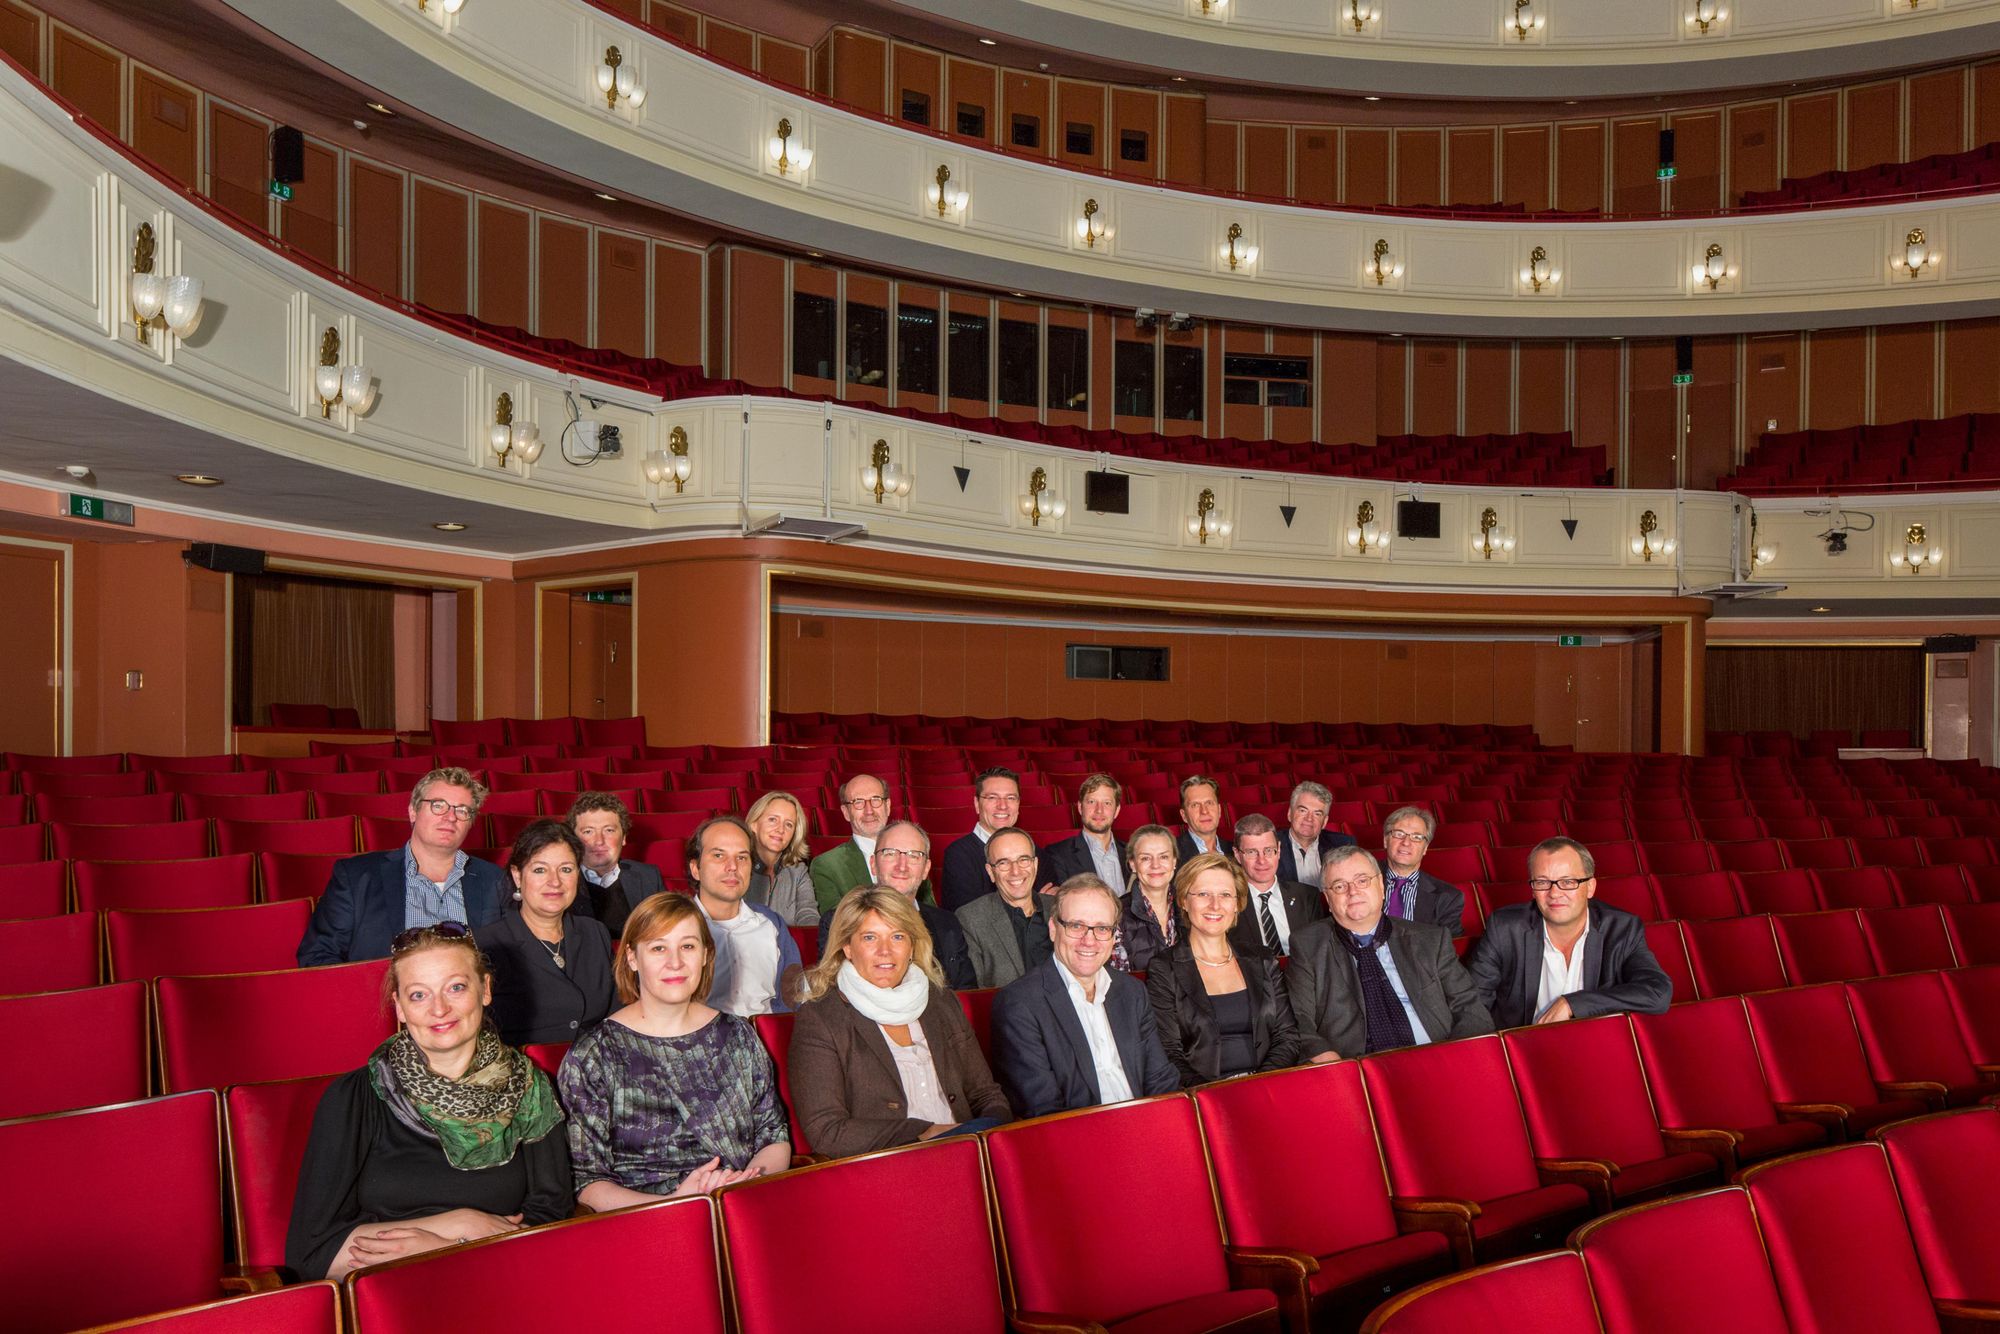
(1271, 949)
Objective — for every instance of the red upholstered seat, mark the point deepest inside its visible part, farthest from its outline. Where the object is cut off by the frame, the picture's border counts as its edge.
(258, 936)
(242, 1028)
(587, 1273)
(611, 731)
(1912, 1039)
(368, 805)
(1590, 1118)
(776, 1032)
(1699, 894)
(325, 785)
(199, 882)
(1694, 1263)
(1452, 1133)
(1750, 854)
(1932, 884)
(1908, 940)
(286, 875)
(152, 808)
(1975, 1001)
(33, 889)
(1633, 893)
(141, 1181)
(1062, 1262)
(1323, 1198)
(1819, 853)
(1837, 1244)
(1947, 1171)
(1680, 857)
(1813, 1062)
(176, 840)
(52, 783)
(44, 1067)
(48, 954)
(1732, 955)
(977, 1002)
(1857, 887)
(266, 1127)
(1708, 1088)
(547, 1055)
(250, 806)
(1494, 1297)
(1457, 866)
(469, 732)
(1669, 946)
(832, 1286)
(65, 764)
(333, 836)
(304, 1308)
(1777, 891)
(1823, 947)
(541, 731)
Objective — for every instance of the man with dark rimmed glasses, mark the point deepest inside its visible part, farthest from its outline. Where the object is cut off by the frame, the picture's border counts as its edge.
(372, 898)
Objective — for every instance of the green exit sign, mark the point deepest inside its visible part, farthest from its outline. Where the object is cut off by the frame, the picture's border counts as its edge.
(1667, 172)
(1683, 377)
(1570, 641)
(279, 190)
(100, 509)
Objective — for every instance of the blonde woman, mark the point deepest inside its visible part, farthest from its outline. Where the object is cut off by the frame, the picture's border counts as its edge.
(881, 1052)
(780, 878)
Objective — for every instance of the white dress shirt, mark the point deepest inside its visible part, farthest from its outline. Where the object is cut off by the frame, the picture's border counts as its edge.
(1283, 944)
(867, 846)
(745, 978)
(922, 1097)
(1112, 1086)
(1305, 860)
(1560, 976)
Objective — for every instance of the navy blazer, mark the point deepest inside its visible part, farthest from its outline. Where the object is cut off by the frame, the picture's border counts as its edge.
(963, 877)
(361, 912)
(1042, 1058)
(1288, 865)
(1071, 856)
(1185, 849)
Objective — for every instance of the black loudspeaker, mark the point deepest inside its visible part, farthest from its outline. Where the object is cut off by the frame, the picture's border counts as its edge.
(1666, 149)
(1419, 518)
(288, 155)
(1950, 644)
(1107, 493)
(225, 560)
(1684, 355)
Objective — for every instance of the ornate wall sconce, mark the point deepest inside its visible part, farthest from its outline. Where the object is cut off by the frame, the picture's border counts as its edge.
(446, 7)
(945, 197)
(619, 82)
(1211, 9)
(882, 477)
(507, 435)
(1761, 553)
(1040, 502)
(1236, 252)
(785, 157)
(1919, 553)
(1917, 254)
(1381, 265)
(1206, 523)
(175, 302)
(1359, 14)
(1539, 272)
(336, 384)
(1090, 227)
(1491, 536)
(1366, 532)
(1706, 14)
(1525, 21)
(674, 465)
(1651, 541)
(1712, 269)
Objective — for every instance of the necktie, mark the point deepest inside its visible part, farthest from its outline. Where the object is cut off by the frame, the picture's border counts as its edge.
(1265, 920)
(1402, 896)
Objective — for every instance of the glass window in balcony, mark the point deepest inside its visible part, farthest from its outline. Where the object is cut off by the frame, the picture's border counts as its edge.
(1182, 371)
(812, 335)
(968, 339)
(1020, 364)
(916, 349)
(867, 344)
(1132, 379)
(1069, 368)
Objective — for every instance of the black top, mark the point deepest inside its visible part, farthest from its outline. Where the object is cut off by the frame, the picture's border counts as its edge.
(964, 876)
(535, 1001)
(1189, 1019)
(1235, 1031)
(362, 1165)
(1031, 933)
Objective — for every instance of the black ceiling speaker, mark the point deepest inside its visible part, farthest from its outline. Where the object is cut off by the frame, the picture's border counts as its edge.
(225, 560)
(288, 155)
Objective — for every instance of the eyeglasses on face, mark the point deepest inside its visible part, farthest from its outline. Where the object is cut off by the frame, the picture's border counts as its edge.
(438, 806)
(1569, 884)
(412, 937)
(1405, 836)
(1078, 930)
(1026, 863)
(866, 803)
(1358, 882)
(1208, 896)
(902, 855)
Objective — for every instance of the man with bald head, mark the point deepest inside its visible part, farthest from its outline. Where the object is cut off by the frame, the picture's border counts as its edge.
(902, 859)
(1007, 932)
(864, 802)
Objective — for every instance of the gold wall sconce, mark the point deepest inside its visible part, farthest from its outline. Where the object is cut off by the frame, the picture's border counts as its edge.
(1539, 272)
(1040, 502)
(1366, 532)
(1706, 14)
(945, 197)
(674, 465)
(1236, 252)
(619, 82)
(175, 302)
(1090, 227)
(1917, 254)
(1382, 265)
(1651, 541)
(1919, 553)
(1713, 268)
(507, 436)
(336, 384)
(1491, 537)
(784, 156)
(1359, 14)
(881, 477)
(1206, 523)
(1524, 21)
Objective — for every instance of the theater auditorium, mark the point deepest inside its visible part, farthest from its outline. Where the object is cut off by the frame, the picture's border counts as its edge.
(961, 666)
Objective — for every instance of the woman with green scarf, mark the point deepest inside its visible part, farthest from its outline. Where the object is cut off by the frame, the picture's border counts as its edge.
(445, 1135)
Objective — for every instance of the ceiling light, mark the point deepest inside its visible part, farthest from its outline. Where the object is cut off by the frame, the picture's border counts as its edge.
(1371, 98)
(988, 41)
(1822, 609)
(449, 527)
(197, 479)
(379, 109)
(609, 199)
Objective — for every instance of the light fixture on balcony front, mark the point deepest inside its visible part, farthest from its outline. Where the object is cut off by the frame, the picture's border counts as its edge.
(1381, 265)
(1040, 502)
(175, 302)
(1539, 272)
(619, 82)
(1366, 532)
(1917, 253)
(1235, 250)
(1525, 20)
(1212, 9)
(507, 436)
(1651, 541)
(1919, 553)
(1706, 14)
(336, 384)
(945, 197)
(1762, 553)
(1206, 523)
(1712, 269)
(783, 155)
(674, 465)
(443, 6)
(1492, 537)
(1090, 224)
(1360, 13)
(881, 477)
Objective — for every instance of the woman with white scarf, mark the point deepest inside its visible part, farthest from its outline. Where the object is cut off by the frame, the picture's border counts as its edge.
(882, 1054)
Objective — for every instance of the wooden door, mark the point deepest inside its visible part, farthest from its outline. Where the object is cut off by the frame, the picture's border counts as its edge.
(600, 659)
(30, 672)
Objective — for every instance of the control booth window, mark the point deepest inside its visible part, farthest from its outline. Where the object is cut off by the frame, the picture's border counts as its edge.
(968, 339)
(916, 349)
(867, 344)
(1183, 369)
(1069, 368)
(1278, 382)
(1020, 364)
(813, 328)
(1132, 379)
(1116, 662)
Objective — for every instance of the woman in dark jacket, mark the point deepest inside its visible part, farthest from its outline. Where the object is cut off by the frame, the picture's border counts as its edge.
(1218, 1013)
(882, 1054)
(1149, 924)
(551, 965)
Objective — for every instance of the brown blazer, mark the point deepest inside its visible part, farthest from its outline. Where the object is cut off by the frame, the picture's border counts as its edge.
(845, 1090)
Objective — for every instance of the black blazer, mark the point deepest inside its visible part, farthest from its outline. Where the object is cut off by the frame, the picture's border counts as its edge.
(611, 904)
(1144, 938)
(1619, 971)
(947, 942)
(1071, 856)
(1184, 1013)
(361, 912)
(964, 876)
(1288, 865)
(1326, 988)
(1304, 905)
(535, 1001)
(1042, 1058)
(1438, 903)
(1184, 847)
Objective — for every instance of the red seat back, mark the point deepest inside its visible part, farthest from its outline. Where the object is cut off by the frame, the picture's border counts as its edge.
(1633, 893)
(1669, 946)
(256, 938)
(1838, 1246)
(1640, 1261)
(242, 1028)
(48, 954)
(1780, 891)
(1496, 1296)
(257, 806)
(151, 808)
(288, 875)
(303, 1308)
(1947, 1171)
(1582, 1091)
(45, 1067)
(143, 1181)
(1750, 854)
(33, 889)
(1700, 894)
(1932, 884)
(1732, 955)
(1810, 1051)
(1857, 887)
(1823, 947)
(977, 1003)
(547, 1055)
(1819, 853)
(23, 843)
(1702, 1066)
(1683, 857)
(333, 836)
(200, 882)
(1059, 1256)
(1975, 1001)
(776, 1032)
(1449, 1122)
(666, 1250)
(178, 840)
(1908, 1030)
(1457, 866)
(778, 1286)
(1908, 940)
(266, 1128)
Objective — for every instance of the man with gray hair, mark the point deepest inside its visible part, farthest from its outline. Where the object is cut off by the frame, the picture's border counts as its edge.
(1414, 894)
(1362, 981)
(1307, 841)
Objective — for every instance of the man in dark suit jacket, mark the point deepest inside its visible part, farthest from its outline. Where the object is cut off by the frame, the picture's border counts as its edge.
(1291, 904)
(1413, 892)
(1307, 830)
(1072, 1032)
(997, 800)
(901, 861)
(373, 898)
(1097, 804)
(1007, 933)
(1562, 956)
(1201, 818)
(612, 887)
(1362, 981)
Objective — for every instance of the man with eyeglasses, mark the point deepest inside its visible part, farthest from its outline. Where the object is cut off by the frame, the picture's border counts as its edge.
(996, 803)
(1414, 894)
(902, 859)
(373, 898)
(1074, 1032)
(1362, 981)
(1307, 840)
(1008, 932)
(864, 802)
(1562, 955)
(1277, 908)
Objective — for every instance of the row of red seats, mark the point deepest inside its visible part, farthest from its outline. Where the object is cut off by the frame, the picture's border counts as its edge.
(1972, 169)
(1824, 742)
(1938, 454)
(1419, 1161)
(922, 729)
